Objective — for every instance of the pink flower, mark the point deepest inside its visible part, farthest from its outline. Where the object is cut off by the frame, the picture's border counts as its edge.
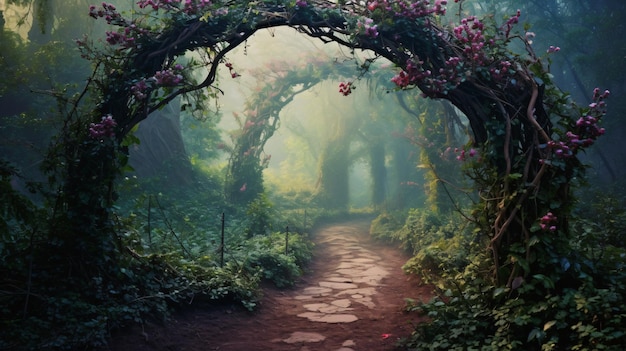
(365, 25)
(345, 88)
(104, 129)
(243, 187)
(553, 49)
(548, 222)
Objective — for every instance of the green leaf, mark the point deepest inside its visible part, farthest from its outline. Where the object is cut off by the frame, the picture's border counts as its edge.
(534, 334)
(534, 240)
(515, 176)
(498, 291)
(548, 325)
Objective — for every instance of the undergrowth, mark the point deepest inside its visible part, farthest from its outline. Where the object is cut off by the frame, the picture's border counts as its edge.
(168, 254)
(577, 304)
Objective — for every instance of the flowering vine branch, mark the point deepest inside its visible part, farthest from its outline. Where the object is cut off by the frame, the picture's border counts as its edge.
(510, 101)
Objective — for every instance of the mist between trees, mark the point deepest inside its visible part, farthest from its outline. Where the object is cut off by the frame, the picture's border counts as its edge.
(457, 131)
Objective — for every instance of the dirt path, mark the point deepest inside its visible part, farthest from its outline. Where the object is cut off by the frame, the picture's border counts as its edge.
(351, 299)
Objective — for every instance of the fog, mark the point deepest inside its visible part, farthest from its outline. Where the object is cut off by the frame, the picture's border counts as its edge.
(123, 200)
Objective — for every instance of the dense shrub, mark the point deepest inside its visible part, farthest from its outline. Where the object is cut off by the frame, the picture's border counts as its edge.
(540, 313)
(575, 301)
(280, 258)
(168, 255)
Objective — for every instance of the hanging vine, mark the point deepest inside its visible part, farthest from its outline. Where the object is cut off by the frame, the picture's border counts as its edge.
(509, 100)
(260, 119)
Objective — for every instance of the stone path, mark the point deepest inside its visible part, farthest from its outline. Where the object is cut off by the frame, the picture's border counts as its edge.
(354, 280)
(351, 299)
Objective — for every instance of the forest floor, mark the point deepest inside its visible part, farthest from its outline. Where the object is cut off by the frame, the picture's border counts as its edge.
(351, 298)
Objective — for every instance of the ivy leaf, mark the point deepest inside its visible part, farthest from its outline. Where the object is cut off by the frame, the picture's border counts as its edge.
(565, 265)
(534, 334)
(548, 325)
(498, 291)
(534, 240)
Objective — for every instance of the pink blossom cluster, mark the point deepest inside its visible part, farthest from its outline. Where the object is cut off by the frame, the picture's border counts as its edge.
(401, 79)
(140, 89)
(157, 4)
(410, 9)
(108, 12)
(447, 78)
(301, 3)
(169, 77)
(233, 73)
(502, 69)
(450, 76)
(115, 38)
(413, 73)
(127, 38)
(249, 124)
(192, 7)
(470, 35)
(587, 126)
(586, 129)
(104, 129)
(508, 25)
(463, 154)
(548, 222)
(345, 88)
(561, 149)
(553, 49)
(165, 78)
(366, 26)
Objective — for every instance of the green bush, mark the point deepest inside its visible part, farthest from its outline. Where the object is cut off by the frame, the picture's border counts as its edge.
(418, 229)
(281, 267)
(580, 307)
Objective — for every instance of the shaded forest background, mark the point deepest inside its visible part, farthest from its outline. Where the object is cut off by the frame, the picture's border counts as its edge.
(379, 152)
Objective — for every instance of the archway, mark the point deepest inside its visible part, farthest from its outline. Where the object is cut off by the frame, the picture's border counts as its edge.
(527, 133)
(509, 100)
(281, 84)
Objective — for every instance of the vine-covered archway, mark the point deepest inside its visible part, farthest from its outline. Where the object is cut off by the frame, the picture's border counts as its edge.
(260, 120)
(282, 82)
(527, 131)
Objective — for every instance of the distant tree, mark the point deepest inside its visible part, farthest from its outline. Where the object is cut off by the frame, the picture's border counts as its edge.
(528, 132)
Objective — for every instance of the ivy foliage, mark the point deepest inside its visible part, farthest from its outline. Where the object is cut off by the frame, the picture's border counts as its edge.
(77, 261)
(170, 259)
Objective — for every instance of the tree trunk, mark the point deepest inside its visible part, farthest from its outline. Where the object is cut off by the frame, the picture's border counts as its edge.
(333, 190)
(161, 151)
(378, 173)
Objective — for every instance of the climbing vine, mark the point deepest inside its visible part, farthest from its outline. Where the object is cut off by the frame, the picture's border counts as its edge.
(260, 119)
(508, 99)
(527, 132)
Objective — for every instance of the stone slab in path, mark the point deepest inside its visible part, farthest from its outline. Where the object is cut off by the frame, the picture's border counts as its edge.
(304, 337)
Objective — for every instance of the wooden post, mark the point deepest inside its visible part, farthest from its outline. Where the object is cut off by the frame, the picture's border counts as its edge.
(222, 244)
(304, 226)
(149, 219)
(287, 241)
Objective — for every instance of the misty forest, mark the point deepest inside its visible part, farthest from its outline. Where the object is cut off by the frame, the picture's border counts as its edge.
(161, 155)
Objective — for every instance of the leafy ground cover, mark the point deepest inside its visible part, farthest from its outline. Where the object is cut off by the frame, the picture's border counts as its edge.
(229, 327)
(172, 257)
(580, 308)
